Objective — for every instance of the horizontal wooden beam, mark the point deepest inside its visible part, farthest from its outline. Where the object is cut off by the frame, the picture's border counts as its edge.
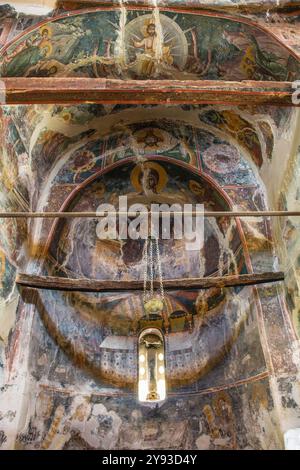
(72, 215)
(94, 285)
(20, 90)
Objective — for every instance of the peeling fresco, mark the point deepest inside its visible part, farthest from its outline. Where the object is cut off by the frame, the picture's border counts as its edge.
(63, 421)
(68, 365)
(82, 349)
(289, 200)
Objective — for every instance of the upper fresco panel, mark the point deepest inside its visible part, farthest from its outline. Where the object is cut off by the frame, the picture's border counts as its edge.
(133, 43)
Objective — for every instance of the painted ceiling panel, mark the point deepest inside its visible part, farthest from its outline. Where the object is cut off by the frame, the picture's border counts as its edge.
(149, 44)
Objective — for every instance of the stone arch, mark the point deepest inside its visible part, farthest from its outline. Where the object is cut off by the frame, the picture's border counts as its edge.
(85, 318)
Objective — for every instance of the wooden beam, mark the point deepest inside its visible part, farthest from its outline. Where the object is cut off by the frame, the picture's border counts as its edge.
(20, 90)
(94, 285)
(72, 215)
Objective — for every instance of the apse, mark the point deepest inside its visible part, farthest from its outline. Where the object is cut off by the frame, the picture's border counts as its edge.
(76, 252)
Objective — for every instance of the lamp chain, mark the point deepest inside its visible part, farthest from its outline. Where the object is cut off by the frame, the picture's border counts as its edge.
(152, 264)
(161, 286)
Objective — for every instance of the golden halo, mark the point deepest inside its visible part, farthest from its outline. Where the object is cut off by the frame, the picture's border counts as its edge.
(147, 23)
(136, 172)
(46, 28)
(136, 29)
(196, 188)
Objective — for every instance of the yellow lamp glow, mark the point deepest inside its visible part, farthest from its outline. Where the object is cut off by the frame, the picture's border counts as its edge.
(151, 374)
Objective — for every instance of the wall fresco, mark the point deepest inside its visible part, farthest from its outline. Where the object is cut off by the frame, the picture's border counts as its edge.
(76, 251)
(232, 354)
(212, 421)
(14, 197)
(243, 131)
(289, 241)
(86, 153)
(7, 276)
(138, 44)
(225, 362)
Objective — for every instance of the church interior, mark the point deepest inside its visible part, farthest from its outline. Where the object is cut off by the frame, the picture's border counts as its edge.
(114, 344)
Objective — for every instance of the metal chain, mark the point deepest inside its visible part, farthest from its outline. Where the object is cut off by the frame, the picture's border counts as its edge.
(161, 286)
(149, 266)
(151, 269)
(145, 260)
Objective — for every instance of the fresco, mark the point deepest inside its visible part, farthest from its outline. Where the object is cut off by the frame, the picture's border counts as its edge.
(212, 421)
(243, 131)
(77, 350)
(7, 276)
(14, 196)
(98, 335)
(289, 199)
(135, 44)
(86, 333)
(255, 134)
(54, 137)
(74, 144)
(181, 142)
(170, 188)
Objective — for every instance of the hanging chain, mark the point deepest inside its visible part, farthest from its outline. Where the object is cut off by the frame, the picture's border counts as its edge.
(145, 260)
(145, 263)
(150, 267)
(161, 286)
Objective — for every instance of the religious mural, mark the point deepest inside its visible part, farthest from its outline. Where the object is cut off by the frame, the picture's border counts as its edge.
(211, 421)
(244, 132)
(185, 143)
(77, 241)
(87, 341)
(135, 44)
(289, 199)
(13, 198)
(162, 184)
(7, 276)
(79, 349)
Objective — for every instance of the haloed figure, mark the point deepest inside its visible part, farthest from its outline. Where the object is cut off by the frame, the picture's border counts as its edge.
(149, 180)
(152, 52)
